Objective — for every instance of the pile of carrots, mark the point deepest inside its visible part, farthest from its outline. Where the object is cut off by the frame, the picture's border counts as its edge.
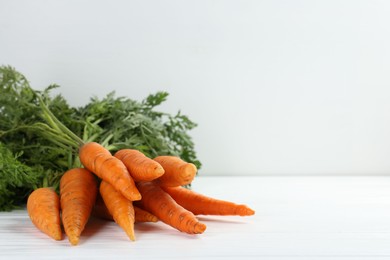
(126, 187)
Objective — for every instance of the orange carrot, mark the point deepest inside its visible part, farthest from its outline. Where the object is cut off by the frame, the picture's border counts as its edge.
(43, 207)
(120, 208)
(161, 204)
(177, 171)
(100, 210)
(200, 204)
(140, 167)
(99, 160)
(142, 215)
(78, 189)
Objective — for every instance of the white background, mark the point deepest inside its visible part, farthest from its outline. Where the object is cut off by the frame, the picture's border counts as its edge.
(277, 87)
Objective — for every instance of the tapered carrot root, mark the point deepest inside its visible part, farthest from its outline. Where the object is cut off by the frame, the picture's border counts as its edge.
(100, 210)
(177, 171)
(200, 204)
(161, 204)
(43, 207)
(144, 216)
(120, 208)
(99, 160)
(140, 167)
(78, 189)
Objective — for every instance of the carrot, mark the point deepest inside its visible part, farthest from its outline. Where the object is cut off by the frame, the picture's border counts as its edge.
(100, 210)
(43, 207)
(140, 167)
(177, 171)
(99, 160)
(142, 215)
(161, 204)
(78, 189)
(200, 204)
(119, 207)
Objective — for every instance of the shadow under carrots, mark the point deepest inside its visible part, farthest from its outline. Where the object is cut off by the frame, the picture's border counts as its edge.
(222, 219)
(146, 228)
(93, 228)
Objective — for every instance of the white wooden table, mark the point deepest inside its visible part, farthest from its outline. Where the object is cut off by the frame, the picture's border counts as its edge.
(296, 218)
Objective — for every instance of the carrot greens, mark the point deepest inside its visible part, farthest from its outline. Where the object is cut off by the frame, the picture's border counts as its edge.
(40, 133)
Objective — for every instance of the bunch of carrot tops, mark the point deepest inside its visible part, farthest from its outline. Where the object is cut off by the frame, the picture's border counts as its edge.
(127, 182)
(35, 153)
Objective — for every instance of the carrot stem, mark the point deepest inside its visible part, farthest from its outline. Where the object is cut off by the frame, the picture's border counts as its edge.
(57, 124)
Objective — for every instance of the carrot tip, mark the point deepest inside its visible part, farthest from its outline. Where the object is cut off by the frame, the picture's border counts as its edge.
(250, 212)
(247, 211)
(159, 171)
(200, 228)
(131, 236)
(57, 236)
(154, 219)
(74, 241)
(136, 197)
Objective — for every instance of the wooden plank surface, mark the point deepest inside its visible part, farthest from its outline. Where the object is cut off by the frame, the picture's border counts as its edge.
(296, 218)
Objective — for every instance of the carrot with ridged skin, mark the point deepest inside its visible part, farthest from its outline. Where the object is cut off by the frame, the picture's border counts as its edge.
(78, 189)
(100, 210)
(99, 160)
(200, 204)
(141, 167)
(177, 171)
(120, 208)
(43, 207)
(142, 215)
(161, 204)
